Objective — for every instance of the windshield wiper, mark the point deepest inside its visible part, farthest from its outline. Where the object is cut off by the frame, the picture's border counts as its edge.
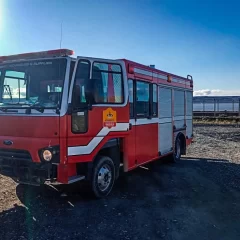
(8, 106)
(36, 106)
(39, 107)
(28, 108)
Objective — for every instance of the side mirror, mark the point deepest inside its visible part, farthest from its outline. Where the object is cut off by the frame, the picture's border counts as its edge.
(70, 108)
(84, 99)
(75, 97)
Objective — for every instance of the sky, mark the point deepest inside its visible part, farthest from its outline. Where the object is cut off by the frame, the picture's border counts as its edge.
(200, 38)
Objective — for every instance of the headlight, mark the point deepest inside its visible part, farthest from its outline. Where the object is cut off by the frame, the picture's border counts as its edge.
(47, 155)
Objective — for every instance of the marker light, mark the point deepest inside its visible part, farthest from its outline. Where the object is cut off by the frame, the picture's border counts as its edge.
(130, 69)
(169, 78)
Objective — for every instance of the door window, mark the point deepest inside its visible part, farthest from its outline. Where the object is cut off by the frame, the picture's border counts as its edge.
(107, 83)
(81, 80)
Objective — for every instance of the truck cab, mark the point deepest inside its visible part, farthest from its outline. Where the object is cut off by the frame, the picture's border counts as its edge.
(48, 102)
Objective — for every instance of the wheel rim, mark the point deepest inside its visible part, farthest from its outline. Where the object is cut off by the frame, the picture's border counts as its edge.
(178, 150)
(104, 177)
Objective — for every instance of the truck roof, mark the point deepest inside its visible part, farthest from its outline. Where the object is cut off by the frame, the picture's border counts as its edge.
(154, 70)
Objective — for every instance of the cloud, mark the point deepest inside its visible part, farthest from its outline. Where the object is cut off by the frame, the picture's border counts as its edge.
(216, 92)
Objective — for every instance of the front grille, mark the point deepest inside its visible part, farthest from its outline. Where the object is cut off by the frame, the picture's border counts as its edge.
(18, 165)
(14, 154)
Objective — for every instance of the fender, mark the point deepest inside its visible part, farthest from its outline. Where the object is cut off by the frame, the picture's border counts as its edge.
(111, 149)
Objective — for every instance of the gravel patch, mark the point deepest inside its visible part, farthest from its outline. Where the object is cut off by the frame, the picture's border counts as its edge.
(197, 198)
(216, 142)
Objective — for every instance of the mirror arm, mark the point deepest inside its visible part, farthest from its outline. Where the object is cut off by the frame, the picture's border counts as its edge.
(90, 107)
(70, 108)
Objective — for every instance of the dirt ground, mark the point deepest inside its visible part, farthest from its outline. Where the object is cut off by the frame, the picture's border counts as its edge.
(197, 198)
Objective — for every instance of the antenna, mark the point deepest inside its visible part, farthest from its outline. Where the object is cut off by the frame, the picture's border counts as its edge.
(61, 37)
(58, 96)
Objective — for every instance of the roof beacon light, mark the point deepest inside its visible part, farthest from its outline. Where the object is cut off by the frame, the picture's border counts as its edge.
(50, 53)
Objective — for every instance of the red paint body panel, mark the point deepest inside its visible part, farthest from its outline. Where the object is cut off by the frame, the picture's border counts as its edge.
(130, 149)
(72, 171)
(90, 157)
(29, 133)
(189, 141)
(32, 145)
(152, 78)
(62, 173)
(95, 125)
(146, 142)
(63, 139)
(141, 145)
(27, 126)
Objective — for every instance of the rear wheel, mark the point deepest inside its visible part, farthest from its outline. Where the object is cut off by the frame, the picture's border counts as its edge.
(177, 150)
(176, 156)
(103, 176)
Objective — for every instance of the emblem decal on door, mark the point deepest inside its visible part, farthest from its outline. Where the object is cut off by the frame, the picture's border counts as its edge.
(109, 118)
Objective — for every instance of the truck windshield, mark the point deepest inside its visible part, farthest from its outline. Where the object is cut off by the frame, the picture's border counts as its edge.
(35, 82)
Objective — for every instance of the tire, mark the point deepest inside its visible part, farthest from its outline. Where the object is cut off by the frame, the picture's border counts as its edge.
(176, 156)
(103, 176)
(177, 151)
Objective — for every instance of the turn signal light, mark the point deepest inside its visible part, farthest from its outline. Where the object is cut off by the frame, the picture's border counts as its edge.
(130, 69)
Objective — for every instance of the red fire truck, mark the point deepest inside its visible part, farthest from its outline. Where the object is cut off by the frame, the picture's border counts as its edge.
(66, 119)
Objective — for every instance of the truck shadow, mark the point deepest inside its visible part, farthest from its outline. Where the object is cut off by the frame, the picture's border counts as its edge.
(45, 210)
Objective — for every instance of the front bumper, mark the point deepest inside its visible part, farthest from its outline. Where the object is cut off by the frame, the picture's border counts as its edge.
(28, 172)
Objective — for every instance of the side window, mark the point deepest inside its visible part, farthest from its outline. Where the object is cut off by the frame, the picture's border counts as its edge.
(178, 103)
(81, 78)
(143, 99)
(15, 86)
(108, 83)
(189, 103)
(165, 102)
(79, 120)
(155, 101)
(131, 98)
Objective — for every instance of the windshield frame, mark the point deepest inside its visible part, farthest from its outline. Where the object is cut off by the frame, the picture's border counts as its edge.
(62, 108)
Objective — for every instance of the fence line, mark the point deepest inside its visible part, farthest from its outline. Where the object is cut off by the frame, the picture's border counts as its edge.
(214, 106)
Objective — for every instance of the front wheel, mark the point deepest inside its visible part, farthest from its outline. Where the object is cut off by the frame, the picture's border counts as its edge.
(103, 176)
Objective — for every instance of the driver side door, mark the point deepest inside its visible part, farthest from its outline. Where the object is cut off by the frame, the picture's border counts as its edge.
(98, 107)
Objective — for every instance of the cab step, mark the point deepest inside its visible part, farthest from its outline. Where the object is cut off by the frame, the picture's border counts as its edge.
(74, 179)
